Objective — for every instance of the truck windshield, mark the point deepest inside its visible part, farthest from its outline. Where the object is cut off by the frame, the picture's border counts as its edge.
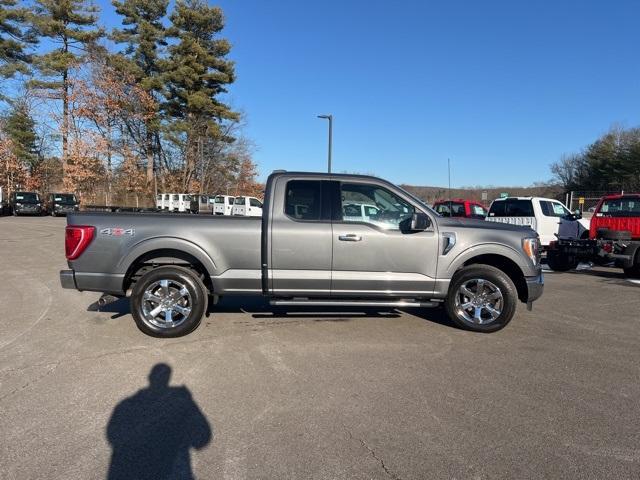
(450, 209)
(239, 201)
(511, 208)
(27, 197)
(621, 207)
(67, 198)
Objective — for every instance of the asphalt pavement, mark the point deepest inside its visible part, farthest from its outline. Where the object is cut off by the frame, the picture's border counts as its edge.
(336, 394)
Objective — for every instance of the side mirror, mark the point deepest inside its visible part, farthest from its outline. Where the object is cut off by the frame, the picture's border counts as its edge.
(419, 222)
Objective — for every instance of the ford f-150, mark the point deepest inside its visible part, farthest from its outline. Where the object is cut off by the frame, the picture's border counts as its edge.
(305, 250)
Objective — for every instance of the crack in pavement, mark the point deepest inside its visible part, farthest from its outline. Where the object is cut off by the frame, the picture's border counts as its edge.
(373, 454)
(28, 384)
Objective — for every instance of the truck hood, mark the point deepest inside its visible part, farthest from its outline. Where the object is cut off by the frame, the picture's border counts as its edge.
(475, 223)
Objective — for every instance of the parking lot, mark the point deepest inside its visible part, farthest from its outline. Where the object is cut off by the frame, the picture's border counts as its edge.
(332, 394)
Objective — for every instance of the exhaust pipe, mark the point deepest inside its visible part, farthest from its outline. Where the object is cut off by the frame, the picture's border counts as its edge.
(106, 299)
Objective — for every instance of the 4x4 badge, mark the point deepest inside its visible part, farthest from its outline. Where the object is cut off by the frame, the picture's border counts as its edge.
(117, 232)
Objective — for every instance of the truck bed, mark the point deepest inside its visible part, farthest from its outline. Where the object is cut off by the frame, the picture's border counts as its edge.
(227, 246)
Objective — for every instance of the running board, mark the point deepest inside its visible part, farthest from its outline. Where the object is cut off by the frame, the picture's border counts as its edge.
(351, 303)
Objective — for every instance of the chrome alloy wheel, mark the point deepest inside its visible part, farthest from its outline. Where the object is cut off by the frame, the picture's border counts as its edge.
(166, 303)
(479, 301)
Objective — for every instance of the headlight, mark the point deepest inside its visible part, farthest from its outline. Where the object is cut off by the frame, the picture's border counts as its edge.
(531, 247)
(18, 204)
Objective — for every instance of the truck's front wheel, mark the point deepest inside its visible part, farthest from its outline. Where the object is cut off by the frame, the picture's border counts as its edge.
(168, 302)
(481, 298)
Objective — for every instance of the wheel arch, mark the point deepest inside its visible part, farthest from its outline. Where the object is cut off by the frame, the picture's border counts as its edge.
(506, 265)
(160, 257)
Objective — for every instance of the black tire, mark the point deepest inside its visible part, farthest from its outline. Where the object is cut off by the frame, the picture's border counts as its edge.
(559, 263)
(606, 234)
(490, 274)
(175, 276)
(634, 271)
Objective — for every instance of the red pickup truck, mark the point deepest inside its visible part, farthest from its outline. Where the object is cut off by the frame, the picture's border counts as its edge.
(459, 207)
(619, 213)
(614, 235)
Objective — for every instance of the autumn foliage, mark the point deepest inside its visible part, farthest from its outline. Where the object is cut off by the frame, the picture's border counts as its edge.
(116, 126)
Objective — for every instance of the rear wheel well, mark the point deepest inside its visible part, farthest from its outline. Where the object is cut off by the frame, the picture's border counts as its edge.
(161, 258)
(508, 266)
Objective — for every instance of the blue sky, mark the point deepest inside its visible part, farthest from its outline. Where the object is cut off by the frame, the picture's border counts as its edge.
(502, 88)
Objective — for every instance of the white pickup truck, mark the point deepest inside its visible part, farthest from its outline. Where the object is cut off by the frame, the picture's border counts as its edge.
(546, 216)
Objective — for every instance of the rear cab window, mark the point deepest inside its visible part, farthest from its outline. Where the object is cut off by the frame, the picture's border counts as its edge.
(511, 208)
(303, 200)
(620, 207)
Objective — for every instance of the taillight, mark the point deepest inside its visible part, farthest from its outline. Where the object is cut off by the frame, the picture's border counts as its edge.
(76, 240)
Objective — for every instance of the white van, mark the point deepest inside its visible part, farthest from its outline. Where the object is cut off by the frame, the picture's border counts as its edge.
(546, 216)
(247, 206)
(162, 201)
(223, 205)
(173, 202)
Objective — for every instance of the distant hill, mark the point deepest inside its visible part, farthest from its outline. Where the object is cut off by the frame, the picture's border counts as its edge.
(432, 194)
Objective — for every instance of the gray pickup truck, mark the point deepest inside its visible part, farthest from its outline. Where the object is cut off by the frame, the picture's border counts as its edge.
(323, 240)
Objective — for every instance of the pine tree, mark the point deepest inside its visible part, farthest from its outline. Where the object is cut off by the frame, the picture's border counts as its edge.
(71, 27)
(15, 39)
(20, 129)
(196, 74)
(144, 35)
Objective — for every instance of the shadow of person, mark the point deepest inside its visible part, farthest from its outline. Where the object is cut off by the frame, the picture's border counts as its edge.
(152, 432)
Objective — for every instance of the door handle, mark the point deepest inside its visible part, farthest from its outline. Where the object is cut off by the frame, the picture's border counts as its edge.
(350, 237)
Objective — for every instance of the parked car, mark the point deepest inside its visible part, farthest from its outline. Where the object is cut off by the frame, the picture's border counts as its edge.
(544, 215)
(614, 236)
(201, 204)
(61, 204)
(26, 203)
(223, 205)
(173, 202)
(409, 257)
(460, 207)
(247, 207)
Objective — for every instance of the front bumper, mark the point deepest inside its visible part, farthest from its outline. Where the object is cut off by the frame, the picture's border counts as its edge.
(535, 287)
(28, 210)
(68, 279)
(59, 210)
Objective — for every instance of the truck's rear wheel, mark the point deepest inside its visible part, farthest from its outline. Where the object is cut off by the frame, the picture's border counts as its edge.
(481, 298)
(168, 301)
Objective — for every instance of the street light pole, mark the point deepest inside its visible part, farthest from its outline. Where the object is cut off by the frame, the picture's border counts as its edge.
(330, 118)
